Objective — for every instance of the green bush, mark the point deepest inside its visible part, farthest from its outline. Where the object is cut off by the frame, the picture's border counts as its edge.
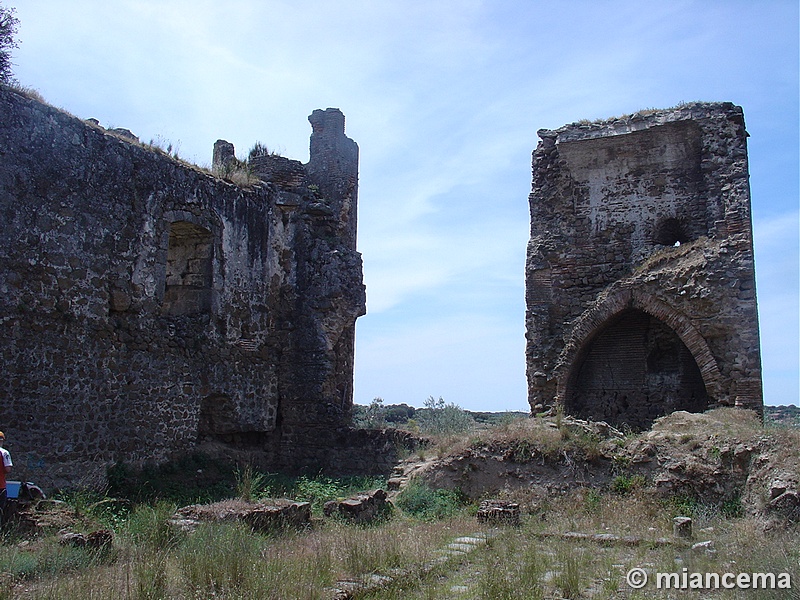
(187, 480)
(318, 490)
(426, 503)
(439, 417)
(732, 508)
(625, 484)
(51, 559)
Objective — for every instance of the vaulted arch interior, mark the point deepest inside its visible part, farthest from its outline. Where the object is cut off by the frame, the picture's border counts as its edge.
(633, 370)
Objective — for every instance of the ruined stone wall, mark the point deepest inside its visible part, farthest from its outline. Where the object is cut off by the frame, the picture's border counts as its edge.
(147, 306)
(640, 281)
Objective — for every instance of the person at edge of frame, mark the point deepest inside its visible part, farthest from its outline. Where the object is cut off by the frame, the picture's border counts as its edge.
(4, 470)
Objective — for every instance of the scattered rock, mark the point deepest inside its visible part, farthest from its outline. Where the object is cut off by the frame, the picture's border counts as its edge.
(99, 539)
(268, 515)
(598, 429)
(498, 512)
(126, 133)
(95, 540)
(70, 538)
(682, 527)
(706, 547)
(364, 507)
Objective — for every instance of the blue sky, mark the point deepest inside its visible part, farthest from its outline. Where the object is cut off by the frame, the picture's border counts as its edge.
(444, 99)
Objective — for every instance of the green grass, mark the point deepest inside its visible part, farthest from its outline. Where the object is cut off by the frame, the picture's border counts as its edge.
(150, 559)
(426, 503)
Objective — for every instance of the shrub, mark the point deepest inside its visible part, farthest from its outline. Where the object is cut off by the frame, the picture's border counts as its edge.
(440, 417)
(625, 484)
(318, 490)
(189, 479)
(732, 508)
(426, 503)
(8, 30)
(51, 559)
(259, 150)
(371, 417)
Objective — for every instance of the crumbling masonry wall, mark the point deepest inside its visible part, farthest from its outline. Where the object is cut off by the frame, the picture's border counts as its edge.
(148, 307)
(640, 283)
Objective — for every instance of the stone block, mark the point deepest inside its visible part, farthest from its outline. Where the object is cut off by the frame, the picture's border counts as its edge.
(498, 512)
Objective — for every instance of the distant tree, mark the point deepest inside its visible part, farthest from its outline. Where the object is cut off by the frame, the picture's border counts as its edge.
(441, 417)
(370, 417)
(398, 413)
(8, 29)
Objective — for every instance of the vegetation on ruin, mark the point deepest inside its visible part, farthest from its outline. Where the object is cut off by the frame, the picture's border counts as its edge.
(241, 172)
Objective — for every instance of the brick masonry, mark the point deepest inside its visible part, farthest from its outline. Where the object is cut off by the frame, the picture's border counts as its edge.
(640, 282)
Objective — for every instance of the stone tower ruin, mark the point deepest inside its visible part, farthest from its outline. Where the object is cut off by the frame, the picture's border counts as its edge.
(150, 308)
(640, 282)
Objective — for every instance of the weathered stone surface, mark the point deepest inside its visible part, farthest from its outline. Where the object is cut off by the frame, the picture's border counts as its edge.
(95, 540)
(148, 306)
(706, 548)
(224, 155)
(774, 488)
(363, 507)
(682, 527)
(498, 512)
(640, 283)
(263, 516)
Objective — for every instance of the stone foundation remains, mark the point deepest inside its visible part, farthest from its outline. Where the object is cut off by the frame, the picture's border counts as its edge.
(640, 283)
(148, 306)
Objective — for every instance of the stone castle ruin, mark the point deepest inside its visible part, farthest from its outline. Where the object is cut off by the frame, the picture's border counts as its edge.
(149, 307)
(640, 283)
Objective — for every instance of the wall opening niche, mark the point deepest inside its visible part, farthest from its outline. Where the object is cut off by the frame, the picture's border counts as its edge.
(190, 254)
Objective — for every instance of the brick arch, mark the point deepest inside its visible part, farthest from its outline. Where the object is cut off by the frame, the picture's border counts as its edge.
(594, 320)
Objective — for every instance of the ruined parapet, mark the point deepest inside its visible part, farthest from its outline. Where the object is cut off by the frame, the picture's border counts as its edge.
(333, 166)
(314, 249)
(281, 171)
(640, 283)
(224, 156)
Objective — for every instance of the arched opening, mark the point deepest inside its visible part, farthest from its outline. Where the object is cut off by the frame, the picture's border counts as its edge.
(190, 253)
(670, 232)
(634, 370)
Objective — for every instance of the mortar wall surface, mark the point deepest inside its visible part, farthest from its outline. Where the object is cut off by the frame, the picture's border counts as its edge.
(649, 213)
(147, 307)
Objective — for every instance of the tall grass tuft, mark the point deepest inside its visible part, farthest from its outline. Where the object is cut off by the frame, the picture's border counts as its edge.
(512, 569)
(220, 560)
(573, 567)
(249, 483)
(150, 527)
(150, 579)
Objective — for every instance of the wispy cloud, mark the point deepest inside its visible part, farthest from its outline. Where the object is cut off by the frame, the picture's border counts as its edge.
(444, 103)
